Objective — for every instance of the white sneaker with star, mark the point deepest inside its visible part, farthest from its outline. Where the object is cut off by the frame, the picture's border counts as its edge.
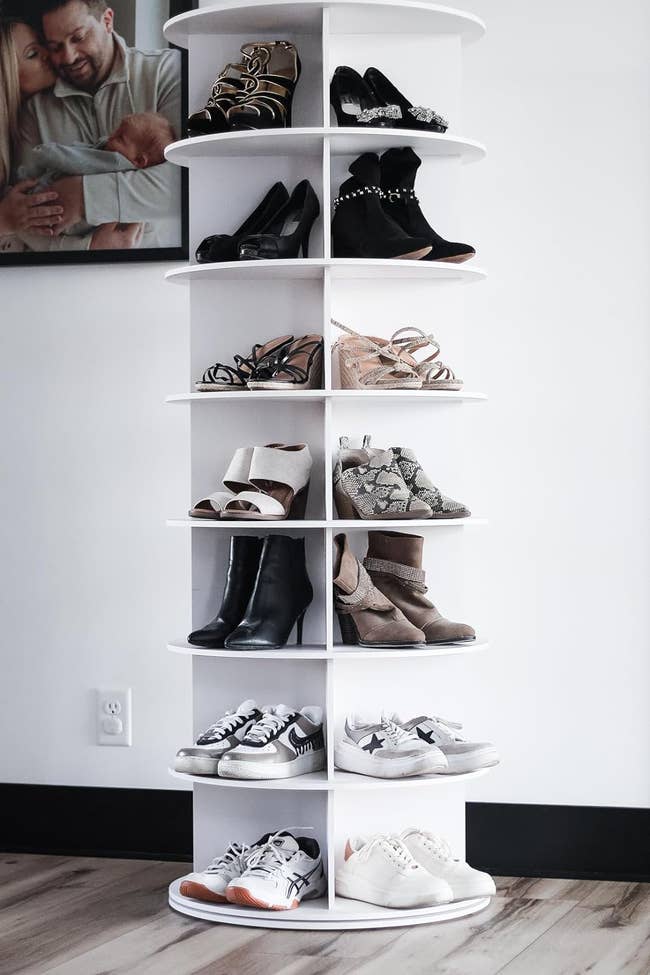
(385, 750)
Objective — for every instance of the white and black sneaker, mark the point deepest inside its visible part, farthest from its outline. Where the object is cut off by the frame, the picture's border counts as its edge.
(203, 757)
(210, 884)
(282, 870)
(283, 743)
(462, 755)
(385, 750)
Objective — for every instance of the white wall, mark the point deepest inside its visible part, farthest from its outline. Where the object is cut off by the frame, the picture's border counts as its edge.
(93, 462)
(93, 583)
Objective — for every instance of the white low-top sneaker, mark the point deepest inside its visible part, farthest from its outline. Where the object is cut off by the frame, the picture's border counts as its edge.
(210, 884)
(381, 870)
(385, 750)
(434, 853)
(283, 743)
(227, 731)
(282, 871)
(462, 755)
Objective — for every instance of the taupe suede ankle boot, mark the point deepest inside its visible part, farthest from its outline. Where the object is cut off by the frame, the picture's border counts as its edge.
(394, 562)
(367, 618)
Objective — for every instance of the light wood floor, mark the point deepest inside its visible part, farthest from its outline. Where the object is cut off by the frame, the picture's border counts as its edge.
(86, 916)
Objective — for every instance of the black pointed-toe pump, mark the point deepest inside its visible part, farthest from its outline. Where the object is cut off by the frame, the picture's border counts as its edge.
(398, 170)
(287, 231)
(355, 103)
(225, 247)
(410, 116)
(361, 228)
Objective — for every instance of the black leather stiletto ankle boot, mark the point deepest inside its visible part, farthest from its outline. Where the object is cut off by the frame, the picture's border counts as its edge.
(279, 599)
(361, 228)
(245, 553)
(398, 169)
(225, 247)
(287, 231)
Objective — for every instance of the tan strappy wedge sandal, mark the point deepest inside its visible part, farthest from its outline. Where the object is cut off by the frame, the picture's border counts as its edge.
(279, 479)
(368, 362)
(433, 373)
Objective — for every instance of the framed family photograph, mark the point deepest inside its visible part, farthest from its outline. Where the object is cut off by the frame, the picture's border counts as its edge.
(90, 97)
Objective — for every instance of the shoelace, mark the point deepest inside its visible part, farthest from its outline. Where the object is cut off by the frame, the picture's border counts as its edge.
(228, 722)
(269, 856)
(439, 846)
(266, 726)
(448, 727)
(229, 859)
(399, 851)
(395, 734)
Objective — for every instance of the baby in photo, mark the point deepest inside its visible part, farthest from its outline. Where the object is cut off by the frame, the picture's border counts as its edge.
(139, 142)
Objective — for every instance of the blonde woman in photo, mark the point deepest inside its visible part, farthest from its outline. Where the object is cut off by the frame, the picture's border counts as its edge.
(25, 70)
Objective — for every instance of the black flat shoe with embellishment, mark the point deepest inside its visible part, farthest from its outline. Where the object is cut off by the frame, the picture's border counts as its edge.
(355, 103)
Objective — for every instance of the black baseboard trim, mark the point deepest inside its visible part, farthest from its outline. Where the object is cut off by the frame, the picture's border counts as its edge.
(507, 839)
(148, 824)
(582, 842)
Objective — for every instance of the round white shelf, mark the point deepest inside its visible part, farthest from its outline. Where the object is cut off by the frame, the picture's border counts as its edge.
(391, 395)
(314, 267)
(337, 652)
(305, 17)
(316, 914)
(342, 781)
(309, 142)
(339, 525)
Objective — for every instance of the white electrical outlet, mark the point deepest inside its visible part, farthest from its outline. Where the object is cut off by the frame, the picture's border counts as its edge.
(114, 717)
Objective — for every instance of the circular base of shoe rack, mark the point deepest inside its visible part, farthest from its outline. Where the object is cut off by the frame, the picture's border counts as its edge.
(316, 915)
(319, 781)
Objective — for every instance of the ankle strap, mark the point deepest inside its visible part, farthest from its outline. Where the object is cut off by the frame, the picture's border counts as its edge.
(362, 191)
(407, 574)
(400, 195)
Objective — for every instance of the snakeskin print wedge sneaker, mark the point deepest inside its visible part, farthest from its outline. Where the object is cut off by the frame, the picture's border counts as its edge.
(394, 563)
(375, 489)
(366, 617)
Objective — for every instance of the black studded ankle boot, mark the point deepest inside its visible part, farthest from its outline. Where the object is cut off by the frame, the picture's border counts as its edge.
(280, 597)
(398, 170)
(361, 228)
(245, 552)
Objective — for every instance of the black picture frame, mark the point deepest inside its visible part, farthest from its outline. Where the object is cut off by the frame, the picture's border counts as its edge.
(137, 255)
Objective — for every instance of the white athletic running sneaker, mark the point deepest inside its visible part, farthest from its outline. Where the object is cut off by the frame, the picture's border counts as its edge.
(380, 870)
(462, 755)
(434, 853)
(283, 743)
(385, 750)
(210, 884)
(282, 871)
(203, 757)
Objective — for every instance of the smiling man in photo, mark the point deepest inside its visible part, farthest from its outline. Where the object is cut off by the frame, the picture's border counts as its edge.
(100, 81)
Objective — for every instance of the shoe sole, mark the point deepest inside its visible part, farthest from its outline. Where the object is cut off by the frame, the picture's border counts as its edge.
(243, 897)
(197, 765)
(415, 255)
(370, 894)
(233, 769)
(350, 758)
(189, 888)
(471, 763)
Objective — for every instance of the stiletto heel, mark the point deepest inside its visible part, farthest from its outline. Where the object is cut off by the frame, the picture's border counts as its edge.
(288, 229)
(299, 623)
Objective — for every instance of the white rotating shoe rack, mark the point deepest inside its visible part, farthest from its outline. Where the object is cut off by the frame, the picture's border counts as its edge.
(234, 305)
